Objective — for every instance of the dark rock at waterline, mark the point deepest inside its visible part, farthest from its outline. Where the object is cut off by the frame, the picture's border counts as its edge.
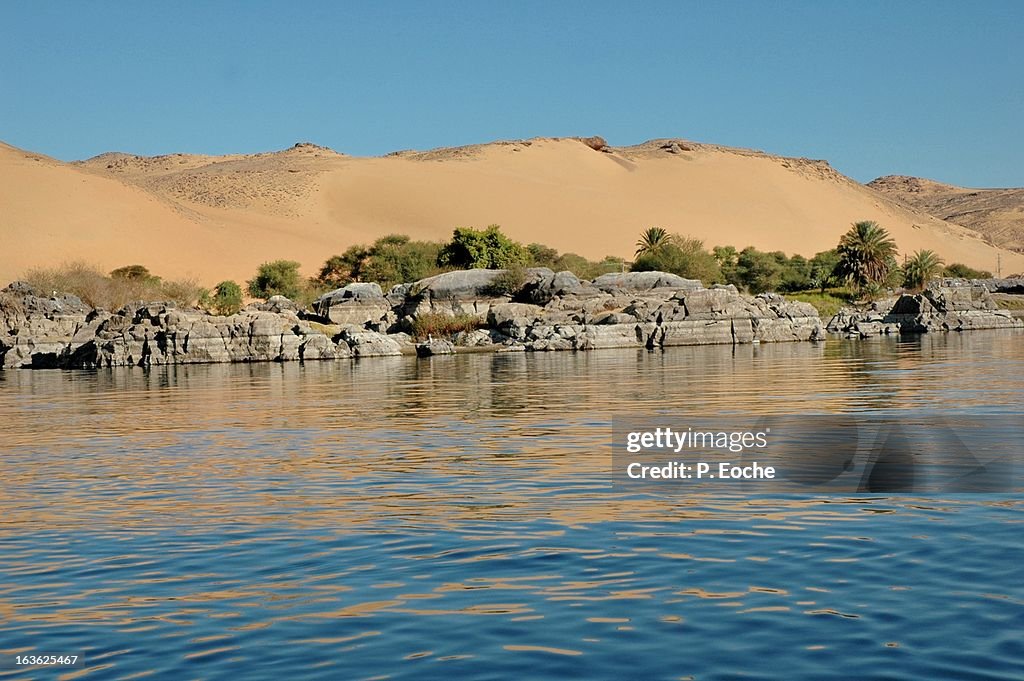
(433, 347)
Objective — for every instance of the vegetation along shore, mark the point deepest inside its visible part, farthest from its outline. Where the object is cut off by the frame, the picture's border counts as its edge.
(483, 291)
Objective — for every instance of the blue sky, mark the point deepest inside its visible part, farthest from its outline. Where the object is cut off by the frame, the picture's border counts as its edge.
(924, 88)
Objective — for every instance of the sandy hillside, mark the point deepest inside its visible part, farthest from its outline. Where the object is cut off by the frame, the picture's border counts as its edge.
(996, 213)
(220, 217)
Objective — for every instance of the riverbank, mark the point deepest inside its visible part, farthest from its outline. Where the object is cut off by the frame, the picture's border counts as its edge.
(461, 311)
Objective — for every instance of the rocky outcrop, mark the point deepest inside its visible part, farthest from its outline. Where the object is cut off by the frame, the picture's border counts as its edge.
(463, 292)
(38, 329)
(951, 308)
(643, 281)
(1008, 285)
(357, 303)
(949, 305)
(550, 311)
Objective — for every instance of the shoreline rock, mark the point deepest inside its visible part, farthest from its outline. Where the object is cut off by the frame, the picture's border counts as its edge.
(551, 312)
(947, 305)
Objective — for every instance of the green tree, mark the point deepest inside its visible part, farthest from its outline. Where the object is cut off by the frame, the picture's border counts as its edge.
(133, 273)
(343, 269)
(542, 256)
(796, 272)
(277, 278)
(758, 271)
(225, 300)
(488, 249)
(727, 258)
(396, 259)
(867, 255)
(823, 266)
(652, 240)
(922, 266)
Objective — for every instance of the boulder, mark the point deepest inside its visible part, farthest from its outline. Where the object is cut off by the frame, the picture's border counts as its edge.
(278, 304)
(506, 314)
(369, 343)
(550, 285)
(433, 347)
(644, 281)
(459, 285)
(358, 303)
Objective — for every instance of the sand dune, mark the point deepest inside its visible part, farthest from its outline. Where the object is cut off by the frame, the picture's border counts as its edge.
(998, 214)
(220, 217)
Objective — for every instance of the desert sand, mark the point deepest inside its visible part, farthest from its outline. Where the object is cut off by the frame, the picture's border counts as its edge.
(214, 218)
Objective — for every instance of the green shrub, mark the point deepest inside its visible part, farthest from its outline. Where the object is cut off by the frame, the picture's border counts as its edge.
(758, 271)
(488, 248)
(396, 259)
(962, 271)
(442, 326)
(542, 256)
(226, 298)
(683, 256)
(509, 282)
(393, 259)
(277, 278)
(823, 268)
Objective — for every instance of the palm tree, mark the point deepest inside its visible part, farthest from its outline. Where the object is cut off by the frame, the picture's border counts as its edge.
(653, 239)
(921, 267)
(867, 255)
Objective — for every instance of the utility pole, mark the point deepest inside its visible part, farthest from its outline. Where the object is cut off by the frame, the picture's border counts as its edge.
(999, 265)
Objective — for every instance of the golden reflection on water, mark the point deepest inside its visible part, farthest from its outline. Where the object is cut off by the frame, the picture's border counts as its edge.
(215, 441)
(506, 455)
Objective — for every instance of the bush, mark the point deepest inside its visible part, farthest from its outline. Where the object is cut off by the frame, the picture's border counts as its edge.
(758, 271)
(442, 326)
(278, 278)
(727, 258)
(489, 249)
(133, 272)
(588, 269)
(823, 268)
(182, 292)
(509, 282)
(542, 256)
(114, 292)
(683, 256)
(396, 259)
(962, 271)
(393, 259)
(77, 278)
(225, 300)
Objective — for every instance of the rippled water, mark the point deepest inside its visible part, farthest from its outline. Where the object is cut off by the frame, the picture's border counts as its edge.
(453, 518)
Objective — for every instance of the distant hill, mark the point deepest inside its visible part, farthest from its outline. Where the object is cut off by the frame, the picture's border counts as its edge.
(998, 214)
(217, 217)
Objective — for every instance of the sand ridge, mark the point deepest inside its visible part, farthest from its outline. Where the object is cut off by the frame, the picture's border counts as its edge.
(217, 217)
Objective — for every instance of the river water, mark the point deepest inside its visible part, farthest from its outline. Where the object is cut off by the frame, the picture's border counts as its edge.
(453, 518)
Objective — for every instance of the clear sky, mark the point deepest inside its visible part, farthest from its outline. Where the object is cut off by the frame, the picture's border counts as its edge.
(922, 88)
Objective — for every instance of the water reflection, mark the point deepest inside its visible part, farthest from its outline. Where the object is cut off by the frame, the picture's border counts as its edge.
(412, 518)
